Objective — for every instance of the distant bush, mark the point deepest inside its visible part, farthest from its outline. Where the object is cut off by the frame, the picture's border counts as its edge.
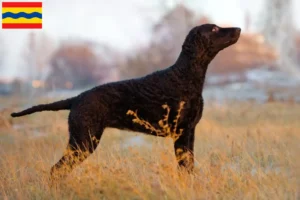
(75, 66)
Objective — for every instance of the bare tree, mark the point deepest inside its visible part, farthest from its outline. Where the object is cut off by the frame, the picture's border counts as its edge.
(2, 51)
(37, 52)
(279, 30)
(37, 55)
(167, 37)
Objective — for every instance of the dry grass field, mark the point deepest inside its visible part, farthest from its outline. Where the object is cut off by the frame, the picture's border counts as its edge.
(242, 151)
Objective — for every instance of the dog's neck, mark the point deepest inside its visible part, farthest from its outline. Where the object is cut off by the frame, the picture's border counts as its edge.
(192, 67)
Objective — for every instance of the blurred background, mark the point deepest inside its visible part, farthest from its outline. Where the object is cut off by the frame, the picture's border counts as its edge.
(87, 43)
(246, 145)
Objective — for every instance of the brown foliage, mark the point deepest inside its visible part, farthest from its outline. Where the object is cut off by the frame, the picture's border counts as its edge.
(250, 52)
(74, 65)
(298, 46)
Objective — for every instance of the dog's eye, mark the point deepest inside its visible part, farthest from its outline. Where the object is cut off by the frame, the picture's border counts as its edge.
(215, 29)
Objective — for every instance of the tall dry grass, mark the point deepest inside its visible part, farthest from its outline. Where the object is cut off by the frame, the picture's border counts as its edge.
(242, 151)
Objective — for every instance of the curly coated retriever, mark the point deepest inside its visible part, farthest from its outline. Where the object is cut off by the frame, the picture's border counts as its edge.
(139, 104)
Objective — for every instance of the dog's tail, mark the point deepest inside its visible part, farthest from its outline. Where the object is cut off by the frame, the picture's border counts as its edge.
(55, 106)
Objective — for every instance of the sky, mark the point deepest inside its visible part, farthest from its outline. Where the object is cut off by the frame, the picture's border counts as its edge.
(122, 23)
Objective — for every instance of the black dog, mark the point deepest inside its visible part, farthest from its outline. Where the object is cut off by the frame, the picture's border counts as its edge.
(125, 104)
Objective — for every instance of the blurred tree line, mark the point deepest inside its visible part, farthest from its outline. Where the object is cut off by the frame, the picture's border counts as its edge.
(77, 63)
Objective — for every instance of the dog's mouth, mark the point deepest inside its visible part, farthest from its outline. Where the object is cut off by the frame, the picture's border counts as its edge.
(231, 41)
(234, 37)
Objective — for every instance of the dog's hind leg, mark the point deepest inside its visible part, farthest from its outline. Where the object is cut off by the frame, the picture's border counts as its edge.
(83, 141)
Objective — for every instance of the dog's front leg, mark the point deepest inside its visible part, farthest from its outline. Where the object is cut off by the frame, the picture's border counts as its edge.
(184, 150)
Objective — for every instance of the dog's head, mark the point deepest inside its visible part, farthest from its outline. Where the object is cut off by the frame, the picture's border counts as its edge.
(210, 38)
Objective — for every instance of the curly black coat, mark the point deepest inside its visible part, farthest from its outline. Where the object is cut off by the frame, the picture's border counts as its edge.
(108, 105)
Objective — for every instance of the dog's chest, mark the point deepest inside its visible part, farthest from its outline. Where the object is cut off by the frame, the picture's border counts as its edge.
(192, 111)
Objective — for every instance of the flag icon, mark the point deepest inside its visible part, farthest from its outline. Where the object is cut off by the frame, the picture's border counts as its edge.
(21, 15)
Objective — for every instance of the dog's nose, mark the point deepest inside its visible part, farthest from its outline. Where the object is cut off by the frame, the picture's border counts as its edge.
(238, 30)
